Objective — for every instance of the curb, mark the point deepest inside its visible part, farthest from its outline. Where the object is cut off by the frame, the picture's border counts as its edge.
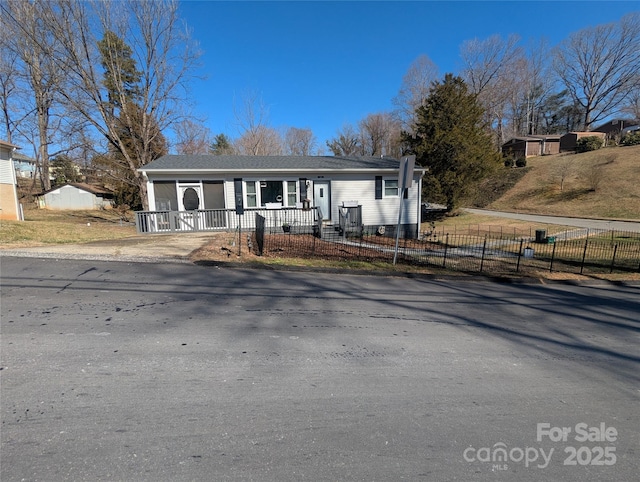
(462, 277)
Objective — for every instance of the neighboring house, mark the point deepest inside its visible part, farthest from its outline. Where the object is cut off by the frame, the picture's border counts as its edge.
(9, 206)
(529, 146)
(75, 196)
(568, 142)
(25, 166)
(614, 128)
(208, 182)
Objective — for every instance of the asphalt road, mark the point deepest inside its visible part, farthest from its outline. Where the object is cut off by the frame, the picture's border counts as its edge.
(606, 224)
(172, 372)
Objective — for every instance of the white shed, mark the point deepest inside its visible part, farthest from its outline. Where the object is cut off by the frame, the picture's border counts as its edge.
(76, 196)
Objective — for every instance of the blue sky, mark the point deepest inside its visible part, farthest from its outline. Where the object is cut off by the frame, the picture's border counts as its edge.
(320, 65)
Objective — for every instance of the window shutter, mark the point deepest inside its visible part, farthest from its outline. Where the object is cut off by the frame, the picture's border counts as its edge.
(378, 187)
(406, 193)
(303, 188)
(237, 187)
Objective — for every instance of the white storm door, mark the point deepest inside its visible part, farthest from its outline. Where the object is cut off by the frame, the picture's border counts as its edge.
(190, 198)
(189, 201)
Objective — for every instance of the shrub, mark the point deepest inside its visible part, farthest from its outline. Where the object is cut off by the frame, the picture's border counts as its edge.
(590, 143)
(509, 162)
(632, 139)
(521, 162)
(594, 175)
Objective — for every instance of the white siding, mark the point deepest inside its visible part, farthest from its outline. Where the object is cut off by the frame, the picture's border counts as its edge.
(374, 211)
(7, 172)
(344, 187)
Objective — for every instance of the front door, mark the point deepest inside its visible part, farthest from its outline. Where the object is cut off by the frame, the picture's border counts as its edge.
(190, 198)
(189, 201)
(322, 198)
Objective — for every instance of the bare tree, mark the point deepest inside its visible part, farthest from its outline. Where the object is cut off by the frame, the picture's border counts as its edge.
(346, 143)
(260, 141)
(632, 105)
(596, 173)
(599, 66)
(164, 56)
(533, 85)
(380, 135)
(8, 85)
(32, 43)
(490, 68)
(257, 138)
(192, 137)
(564, 168)
(299, 142)
(415, 89)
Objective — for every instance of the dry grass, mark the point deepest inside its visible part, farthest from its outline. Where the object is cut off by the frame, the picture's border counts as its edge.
(480, 225)
(42, 227)
(613, 172)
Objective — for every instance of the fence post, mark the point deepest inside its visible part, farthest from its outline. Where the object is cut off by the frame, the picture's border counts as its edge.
(553, 256)
(584, 254)
(613, 259)
(239, 235)
(446, 245)
(484, 247)
(519, 256)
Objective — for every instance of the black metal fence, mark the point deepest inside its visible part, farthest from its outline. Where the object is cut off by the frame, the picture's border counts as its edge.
(599, 252)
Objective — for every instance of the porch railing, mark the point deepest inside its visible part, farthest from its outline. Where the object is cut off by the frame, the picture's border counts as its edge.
(224, 220)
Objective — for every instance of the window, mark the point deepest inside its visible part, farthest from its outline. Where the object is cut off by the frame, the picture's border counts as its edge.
(390, 187)
(259, 193)
(252, 196)
(166, 195)
(270, 192)
(291, 193)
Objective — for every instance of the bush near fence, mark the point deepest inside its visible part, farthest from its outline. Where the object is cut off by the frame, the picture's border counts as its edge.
(607, 252)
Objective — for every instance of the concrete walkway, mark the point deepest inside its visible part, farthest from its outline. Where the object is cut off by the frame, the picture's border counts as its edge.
(565, 221)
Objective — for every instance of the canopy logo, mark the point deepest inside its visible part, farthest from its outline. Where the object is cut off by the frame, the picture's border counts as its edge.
(500, 455)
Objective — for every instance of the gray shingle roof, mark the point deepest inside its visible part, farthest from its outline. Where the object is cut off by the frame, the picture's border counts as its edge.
(259, 163)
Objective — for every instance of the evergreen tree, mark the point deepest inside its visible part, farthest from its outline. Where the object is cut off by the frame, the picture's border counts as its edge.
(120, 76)
(134, 135)
(64, 171)
(451, 141)
(138, 134)
(221, 145)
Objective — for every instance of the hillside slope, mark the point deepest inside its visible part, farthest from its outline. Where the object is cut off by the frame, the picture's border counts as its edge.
(598, 184)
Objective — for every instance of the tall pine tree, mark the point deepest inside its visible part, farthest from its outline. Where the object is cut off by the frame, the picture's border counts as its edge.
(134, 135)
(450, 140)
(120, 76)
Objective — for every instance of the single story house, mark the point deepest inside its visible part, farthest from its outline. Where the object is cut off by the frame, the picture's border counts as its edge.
(9, 205)
(75, 196)
(568, 142)
(529, 146)
(615, 127)
(325, 184)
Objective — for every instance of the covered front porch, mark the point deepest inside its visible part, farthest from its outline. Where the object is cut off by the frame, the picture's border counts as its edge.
(198, 220)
